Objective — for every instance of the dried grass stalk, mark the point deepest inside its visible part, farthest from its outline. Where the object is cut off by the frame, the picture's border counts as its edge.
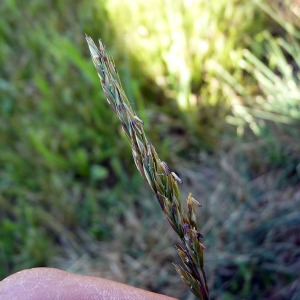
(159, 176)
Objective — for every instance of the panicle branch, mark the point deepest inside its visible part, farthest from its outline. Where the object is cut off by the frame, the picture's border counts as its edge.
(158, 175)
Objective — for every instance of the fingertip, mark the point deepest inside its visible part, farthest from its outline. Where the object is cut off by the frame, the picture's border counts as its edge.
(49, 283)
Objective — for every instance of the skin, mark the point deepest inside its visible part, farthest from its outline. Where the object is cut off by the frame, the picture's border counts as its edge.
(54, 284)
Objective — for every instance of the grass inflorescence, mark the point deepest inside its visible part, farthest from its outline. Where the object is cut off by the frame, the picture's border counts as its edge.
(159, 176)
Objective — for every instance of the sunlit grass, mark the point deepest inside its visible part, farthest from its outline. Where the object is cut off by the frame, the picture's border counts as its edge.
(180, 44)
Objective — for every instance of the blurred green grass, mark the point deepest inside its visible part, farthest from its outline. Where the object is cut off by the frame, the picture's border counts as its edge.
(218, 88)
(58, 154)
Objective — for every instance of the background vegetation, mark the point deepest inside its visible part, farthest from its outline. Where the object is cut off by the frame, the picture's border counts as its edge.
(217, 84)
